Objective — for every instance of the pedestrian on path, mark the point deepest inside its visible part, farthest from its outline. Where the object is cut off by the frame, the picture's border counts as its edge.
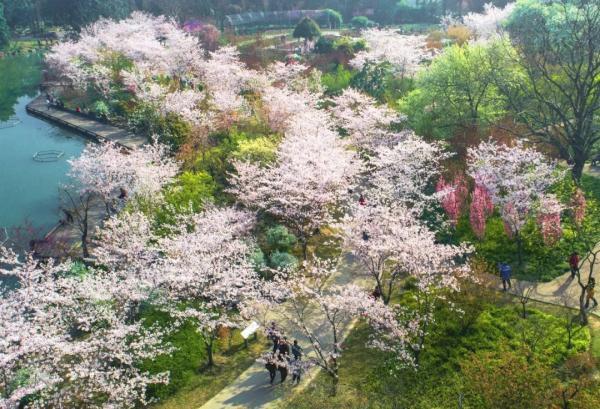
(590, 293)
(271, 367)
(296, 367)
(274, 335)
(505, 273)
(283, 371)
(574, 264)
(297, 351)
(283, 349)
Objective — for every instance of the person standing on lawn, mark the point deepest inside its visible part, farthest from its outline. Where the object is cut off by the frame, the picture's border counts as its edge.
(505, 273)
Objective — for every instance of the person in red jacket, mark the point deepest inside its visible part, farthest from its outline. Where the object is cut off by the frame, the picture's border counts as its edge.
(574, 264)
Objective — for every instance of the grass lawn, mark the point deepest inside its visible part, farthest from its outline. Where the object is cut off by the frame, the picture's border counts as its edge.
(205, 384)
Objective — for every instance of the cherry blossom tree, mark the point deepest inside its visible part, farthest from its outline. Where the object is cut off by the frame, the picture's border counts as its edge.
(454, 196)
(67, 340)
(402, 173)
(488, 25)
(516, 179)
(210, 272)
(366, 122)
(309, 294)
(154, 45)
(404, 52)
(549, 218)
(481, 208)
(313, 170)
(198, 270)
(391, 244)
(107, 169)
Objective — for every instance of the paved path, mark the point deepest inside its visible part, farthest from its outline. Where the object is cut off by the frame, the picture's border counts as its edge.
(87, 126)
(252, 389)
(65, 239)
(562, 291)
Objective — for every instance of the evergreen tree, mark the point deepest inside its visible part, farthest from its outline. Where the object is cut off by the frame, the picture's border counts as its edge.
(307, 29)
(4, 32)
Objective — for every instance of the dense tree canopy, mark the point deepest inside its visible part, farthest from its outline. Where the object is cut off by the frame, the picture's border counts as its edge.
(558, 50)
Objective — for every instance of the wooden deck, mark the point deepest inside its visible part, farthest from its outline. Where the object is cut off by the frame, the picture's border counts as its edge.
(88, 127)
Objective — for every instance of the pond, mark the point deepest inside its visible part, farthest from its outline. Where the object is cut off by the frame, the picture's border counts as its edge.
(29, 190)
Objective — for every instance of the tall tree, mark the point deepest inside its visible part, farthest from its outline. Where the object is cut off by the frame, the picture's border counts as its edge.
(307, 29)
(4, 32)
(558, 49)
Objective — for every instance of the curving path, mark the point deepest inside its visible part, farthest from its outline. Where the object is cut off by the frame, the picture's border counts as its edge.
(252, 389)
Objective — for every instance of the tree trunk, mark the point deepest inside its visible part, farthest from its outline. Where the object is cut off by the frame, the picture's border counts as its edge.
(84, 238)
(335, 380)
(583, 315)
(577, 170)
(519, 251)
(209, 354)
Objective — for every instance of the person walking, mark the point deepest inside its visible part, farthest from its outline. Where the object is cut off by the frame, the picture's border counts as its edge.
(273, 335)
(574, 264)
(590, 293)
(297, 351)
(271, 367)
(283, 348)
(296, 367)
(505, 273)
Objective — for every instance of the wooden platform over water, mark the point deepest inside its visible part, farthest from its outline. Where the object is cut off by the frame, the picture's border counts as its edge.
(88, 127)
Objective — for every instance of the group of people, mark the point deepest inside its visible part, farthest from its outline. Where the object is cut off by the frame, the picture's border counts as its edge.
(52, 101)
(506, 273)
(283, 357)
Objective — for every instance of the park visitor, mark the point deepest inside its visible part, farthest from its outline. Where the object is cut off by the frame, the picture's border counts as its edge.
(505, 273)
(296, 350)
(574, 264)
(271, 367)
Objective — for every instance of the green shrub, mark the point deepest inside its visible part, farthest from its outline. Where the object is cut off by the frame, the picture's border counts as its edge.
(281, 260)
(337, 81)
(170, 129)
(361, 22)
(259, 150)
(191, 191)
(279, 238)
(324, 45)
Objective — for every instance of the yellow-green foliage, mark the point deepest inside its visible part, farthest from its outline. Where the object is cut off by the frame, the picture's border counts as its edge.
(261, 150)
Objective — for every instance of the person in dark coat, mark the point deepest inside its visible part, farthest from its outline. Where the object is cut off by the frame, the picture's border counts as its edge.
(297, 350)
(283, 348)
(272, 368)
(574, 264)
(505, 273)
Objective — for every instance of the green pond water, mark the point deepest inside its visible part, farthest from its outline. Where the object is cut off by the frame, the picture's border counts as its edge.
(29, 190)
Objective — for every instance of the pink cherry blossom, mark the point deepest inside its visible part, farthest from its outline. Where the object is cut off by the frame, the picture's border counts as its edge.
(404, 52)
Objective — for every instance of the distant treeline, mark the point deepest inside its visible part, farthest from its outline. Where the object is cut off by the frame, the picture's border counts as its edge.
(36, 15)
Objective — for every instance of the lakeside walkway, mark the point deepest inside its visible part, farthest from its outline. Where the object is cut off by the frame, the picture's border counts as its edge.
(66, 237)
(89, 127)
